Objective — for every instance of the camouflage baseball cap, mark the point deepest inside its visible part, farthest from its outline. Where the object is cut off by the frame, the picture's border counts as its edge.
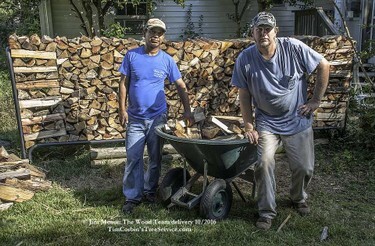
(154, 22)
(263, 18)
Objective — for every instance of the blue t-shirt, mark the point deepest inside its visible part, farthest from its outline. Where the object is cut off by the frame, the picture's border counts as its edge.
(278, 86)
(146, 77)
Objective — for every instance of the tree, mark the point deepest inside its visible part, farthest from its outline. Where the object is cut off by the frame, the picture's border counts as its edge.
(20, 17)
(85, 9)
(239, 11)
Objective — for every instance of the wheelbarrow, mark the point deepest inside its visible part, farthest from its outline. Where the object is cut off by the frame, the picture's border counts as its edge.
(223, 160)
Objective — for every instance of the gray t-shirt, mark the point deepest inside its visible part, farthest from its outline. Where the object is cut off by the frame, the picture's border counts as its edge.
(278, 86)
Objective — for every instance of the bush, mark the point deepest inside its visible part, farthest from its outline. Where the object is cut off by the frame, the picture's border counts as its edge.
(20, 17)
(115, 30)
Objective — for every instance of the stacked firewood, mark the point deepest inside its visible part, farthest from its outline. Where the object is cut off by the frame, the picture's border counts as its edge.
(19, 180)
(339, 52)
(207, 67)
(68, 88)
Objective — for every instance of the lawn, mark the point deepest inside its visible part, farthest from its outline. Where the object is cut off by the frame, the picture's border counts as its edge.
(84, 205)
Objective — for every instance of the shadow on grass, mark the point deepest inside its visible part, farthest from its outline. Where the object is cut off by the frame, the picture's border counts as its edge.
(69, 167)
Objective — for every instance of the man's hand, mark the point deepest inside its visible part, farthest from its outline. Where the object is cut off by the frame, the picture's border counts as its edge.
(189, 118)
(123, 116)
(251, 133)
(309, 108)
(253, 136)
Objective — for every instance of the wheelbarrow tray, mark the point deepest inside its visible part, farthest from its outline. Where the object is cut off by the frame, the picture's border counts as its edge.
(226, 159)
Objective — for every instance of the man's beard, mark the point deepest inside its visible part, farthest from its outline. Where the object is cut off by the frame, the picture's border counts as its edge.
(265, 43)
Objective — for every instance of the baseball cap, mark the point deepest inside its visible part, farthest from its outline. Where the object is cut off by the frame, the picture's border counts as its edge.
(155, 22)
(263, 18)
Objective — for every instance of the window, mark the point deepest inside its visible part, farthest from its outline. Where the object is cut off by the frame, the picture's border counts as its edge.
(132, 17)
(353, 8)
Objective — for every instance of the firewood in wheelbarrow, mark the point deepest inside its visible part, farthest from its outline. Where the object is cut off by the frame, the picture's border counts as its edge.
(209, 132)
(221, 125)
(180, 126)
(238, 121)
(234, 128)
(180, 129)
(180, 134)
(193, 133)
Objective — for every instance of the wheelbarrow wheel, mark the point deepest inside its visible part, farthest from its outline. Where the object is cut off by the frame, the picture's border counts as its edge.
(172, 181)
(216, 200)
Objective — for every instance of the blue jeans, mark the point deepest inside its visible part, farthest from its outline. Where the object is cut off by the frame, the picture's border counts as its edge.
(299, 149)
(140, 133)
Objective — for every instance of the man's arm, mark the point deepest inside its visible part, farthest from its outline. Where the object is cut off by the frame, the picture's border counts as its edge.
(322, 76)
(182, 92)
(247, 115)
(123, 115)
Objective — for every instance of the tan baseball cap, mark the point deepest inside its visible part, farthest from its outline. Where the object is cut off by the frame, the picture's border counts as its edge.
(155, 22)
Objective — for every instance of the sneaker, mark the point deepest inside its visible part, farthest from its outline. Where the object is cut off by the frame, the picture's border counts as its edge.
(128, 207)
(302, 208)
(149, 198)
(264, 223)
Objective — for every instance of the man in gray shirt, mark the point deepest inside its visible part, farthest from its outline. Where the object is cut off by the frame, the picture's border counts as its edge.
(271, 76)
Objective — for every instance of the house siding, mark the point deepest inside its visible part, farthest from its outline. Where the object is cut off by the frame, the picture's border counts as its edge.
(64, 20)
(215, 24)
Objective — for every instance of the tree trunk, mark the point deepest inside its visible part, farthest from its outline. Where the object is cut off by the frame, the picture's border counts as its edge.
(88, 9)
(79, 15)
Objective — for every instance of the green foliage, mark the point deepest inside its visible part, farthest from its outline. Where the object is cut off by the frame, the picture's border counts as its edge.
(18, 16)
(116, 30)
(366, 132)
(190, 31)
(368, 49)
(240, 8)
(361, 123)
(84, 10)
(8, 126)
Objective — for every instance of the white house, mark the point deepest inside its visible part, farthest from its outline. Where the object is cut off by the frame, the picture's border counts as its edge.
(210, 18)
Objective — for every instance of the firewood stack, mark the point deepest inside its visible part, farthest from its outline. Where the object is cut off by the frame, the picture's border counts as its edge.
(18, 179)
(339, 52)
(68, 88)
(207, 67)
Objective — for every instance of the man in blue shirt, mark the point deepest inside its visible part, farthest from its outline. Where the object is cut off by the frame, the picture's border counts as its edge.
(271, 76)
(144, 70)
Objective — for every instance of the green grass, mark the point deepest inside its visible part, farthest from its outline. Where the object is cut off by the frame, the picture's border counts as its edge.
(84, 205)
(84, 208)
(8, 122)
